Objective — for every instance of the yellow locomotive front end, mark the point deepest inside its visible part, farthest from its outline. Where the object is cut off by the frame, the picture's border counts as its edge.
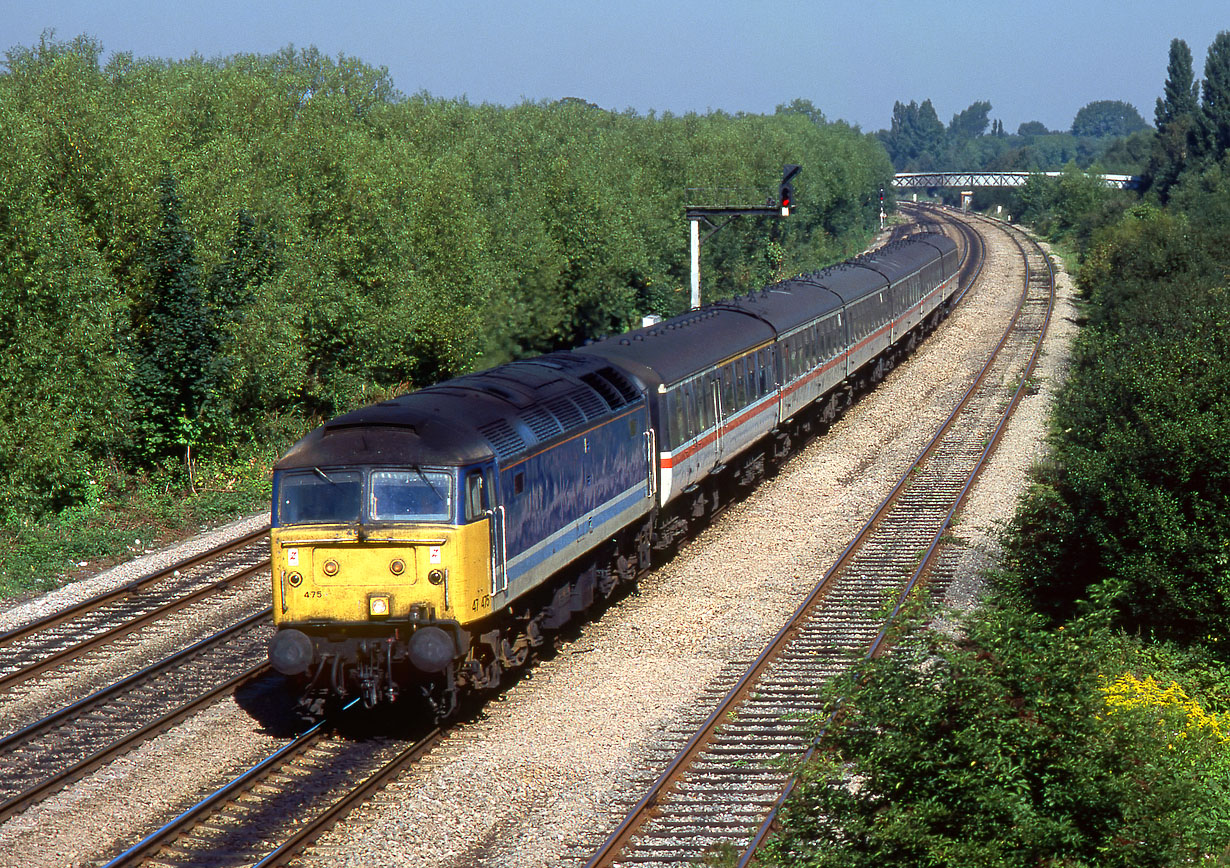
(377, 572)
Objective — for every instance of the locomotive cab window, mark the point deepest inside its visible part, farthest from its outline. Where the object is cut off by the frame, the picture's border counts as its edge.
(318, 496)
(476, 495)
(411, 495)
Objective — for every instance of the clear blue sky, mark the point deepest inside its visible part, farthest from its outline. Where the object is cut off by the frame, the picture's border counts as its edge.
(1035, 60)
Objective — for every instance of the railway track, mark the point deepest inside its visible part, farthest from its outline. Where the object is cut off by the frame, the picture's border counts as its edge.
(723, 787)
(57, 639)
(74, 739)
(71, 742)
(280, 805)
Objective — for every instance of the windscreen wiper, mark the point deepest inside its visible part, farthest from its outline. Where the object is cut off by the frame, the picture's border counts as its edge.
(423, 476)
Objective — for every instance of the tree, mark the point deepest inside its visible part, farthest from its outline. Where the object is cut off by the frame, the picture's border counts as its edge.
(175, 335)
(1032, 128)
(1212, 136)
(1182, 93)
(1106, 117)
(970, 123)
(1176, 118)
(915, 137)
(803, 107)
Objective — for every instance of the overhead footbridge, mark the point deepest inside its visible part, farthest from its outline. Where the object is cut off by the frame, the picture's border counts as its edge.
(973, 180)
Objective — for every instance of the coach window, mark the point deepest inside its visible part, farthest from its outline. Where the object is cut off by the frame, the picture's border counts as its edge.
(728, 388)
(700, 396)
(679, 430)
(681, 414)
(705, 399)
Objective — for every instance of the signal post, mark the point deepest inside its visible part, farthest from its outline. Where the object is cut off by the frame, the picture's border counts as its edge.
(697, 214)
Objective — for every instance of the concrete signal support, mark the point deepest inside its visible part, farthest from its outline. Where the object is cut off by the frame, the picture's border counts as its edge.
(698, 213)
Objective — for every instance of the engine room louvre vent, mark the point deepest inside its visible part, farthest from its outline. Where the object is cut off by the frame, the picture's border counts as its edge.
(567, 412)
(591, 405)
(542, 423)
(605, 388)
(503, 438)
(621, 383)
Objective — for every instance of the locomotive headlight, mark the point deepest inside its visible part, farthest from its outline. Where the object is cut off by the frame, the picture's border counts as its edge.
(436, 577)
(295, 579)
(378, 605)
(397, 567)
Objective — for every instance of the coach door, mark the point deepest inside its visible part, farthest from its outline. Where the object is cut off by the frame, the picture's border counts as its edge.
(723, 403)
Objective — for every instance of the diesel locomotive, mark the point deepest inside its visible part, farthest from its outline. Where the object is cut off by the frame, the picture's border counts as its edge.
(430, 542)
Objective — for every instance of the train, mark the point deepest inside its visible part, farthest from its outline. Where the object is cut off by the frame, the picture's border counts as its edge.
(430, 543)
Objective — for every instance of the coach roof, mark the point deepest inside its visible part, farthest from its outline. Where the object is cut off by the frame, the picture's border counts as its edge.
(676, 348)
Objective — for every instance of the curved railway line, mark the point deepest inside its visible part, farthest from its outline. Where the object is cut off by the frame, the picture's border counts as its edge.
(723, 786)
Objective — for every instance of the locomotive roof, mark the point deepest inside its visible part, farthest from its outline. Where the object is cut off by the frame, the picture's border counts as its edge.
(506, 411)
(682, 345)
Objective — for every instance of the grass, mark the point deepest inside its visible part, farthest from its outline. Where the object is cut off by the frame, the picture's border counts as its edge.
(126, 516)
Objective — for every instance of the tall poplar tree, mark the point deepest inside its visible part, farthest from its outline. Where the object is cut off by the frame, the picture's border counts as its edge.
(1213, 128)
(1182, 93)
(1175, 117)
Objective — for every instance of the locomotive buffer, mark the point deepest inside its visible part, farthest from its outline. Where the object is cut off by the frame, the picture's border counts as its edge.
(697, 214)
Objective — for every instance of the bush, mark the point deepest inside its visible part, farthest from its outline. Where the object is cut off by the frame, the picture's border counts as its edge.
(1133, 506)
(1014, 746)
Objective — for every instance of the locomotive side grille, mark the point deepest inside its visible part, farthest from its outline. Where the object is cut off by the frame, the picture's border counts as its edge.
(605, 388)
(591, 405)
(567, 412)
(542, 423)
(621, 383)
(503, 438)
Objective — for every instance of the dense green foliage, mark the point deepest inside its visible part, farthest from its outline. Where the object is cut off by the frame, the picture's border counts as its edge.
(1106, 117)
(202, 254)
(1134, 504)
(1004, 749)
(1070, 206)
